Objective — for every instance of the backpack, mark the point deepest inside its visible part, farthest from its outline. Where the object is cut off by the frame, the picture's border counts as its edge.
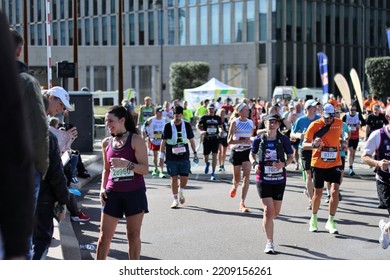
(279, 148)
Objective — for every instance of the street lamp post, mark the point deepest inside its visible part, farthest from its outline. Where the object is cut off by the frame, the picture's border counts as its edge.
(159, 6)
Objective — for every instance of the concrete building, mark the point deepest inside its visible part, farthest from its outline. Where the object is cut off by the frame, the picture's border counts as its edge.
(254, 44)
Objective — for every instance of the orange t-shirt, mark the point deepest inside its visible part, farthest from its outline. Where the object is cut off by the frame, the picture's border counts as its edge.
(334, 103)
(329, 155)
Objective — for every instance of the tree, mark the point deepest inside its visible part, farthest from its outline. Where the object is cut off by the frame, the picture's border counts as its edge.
(183, 75)
(377, 70)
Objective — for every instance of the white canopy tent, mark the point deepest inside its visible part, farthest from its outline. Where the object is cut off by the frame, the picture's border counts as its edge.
(213, 89)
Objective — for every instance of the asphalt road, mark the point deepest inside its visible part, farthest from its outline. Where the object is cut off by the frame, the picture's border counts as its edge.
(210, 227)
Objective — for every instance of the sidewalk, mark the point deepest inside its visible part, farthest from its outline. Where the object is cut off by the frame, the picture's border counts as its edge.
(65, 245)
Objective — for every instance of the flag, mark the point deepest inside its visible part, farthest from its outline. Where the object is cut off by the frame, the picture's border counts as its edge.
(323, 64)
(388, 37)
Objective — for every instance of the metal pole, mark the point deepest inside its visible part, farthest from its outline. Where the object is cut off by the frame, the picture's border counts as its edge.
(120, 54)
(25, 32)
(363, 47)
(75, 44)
(161, 54)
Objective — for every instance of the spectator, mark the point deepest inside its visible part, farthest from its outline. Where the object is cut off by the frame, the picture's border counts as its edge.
(18, 163)
(36, 117)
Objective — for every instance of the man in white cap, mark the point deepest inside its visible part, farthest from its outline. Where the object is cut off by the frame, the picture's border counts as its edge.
(58, 101)
(298, 131)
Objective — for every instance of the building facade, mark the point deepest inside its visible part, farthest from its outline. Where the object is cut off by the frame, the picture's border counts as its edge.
(253, 44)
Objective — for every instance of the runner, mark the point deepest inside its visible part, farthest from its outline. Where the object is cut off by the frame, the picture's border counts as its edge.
(240, 130)
(323, 138)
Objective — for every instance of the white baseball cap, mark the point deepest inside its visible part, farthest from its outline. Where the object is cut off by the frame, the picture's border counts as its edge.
(310, 103)
(328, 110)
(62, 94)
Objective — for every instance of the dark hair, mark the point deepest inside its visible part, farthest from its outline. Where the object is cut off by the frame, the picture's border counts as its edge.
(17, 38)
(121, 112)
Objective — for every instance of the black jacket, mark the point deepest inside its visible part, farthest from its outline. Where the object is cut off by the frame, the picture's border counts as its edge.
(53, 187)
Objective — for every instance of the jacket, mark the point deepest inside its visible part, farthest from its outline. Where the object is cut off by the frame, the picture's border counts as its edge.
(37, 118)
(54, 187)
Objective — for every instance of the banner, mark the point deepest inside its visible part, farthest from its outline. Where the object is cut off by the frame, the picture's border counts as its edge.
(388, 37)
(323, 64)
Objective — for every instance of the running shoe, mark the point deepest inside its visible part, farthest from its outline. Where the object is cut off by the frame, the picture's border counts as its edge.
(351, 172)
(155, 172)
(213, 178)
(80, 217)
(269, 248)
(206, 169)
(220, 168)
(327, 199)
(233, 192)
(182, 199)
(384, 238)
(162, 175)
(313, 225)
(331, 227)
(175, 204)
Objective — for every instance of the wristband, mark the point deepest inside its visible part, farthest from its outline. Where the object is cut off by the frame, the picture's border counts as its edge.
(161, 155)
(130, 166)
(254, 164)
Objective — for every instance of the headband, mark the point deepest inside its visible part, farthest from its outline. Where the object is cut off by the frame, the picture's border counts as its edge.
(240, 107)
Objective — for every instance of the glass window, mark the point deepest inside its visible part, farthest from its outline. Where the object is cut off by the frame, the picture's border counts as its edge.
(337, 24)
(193, 26)
(79, 32)
(182, 27)
(141, 28)
(113, 31)
(70, 31)
(151, 28)
(171, 27)
(103, 5)
(62, 33)
(299, 16)
(104, 31)
(32, 8)
(170, 3)
(112, 6)
(318, 22)
(328, 23)
(131, 30)
(140, 5)
(100, 78)
(39, 35)
(191, 2)
(204, 24)
(289, 16)
(95, 7)
(238, 21)
(226, 23)
(54, 8)
(62, 9)
(263, 20)
(87, 33)
(32, 35)
(86, 7)
(55, 33)
(309, 22)
(215, 24)
(181, 3)
(95, 31)
(39, 11)
(250, 21)
(262, 53)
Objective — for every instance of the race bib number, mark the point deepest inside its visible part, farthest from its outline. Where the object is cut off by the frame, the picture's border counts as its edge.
(352, 128)
(329, 154)
(223, 134)
(272, 170)
(212, 130)
(121, 174)
(157, 135)
(178, 149)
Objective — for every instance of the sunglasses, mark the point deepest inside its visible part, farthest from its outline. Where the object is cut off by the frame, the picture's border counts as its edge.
(331, 116)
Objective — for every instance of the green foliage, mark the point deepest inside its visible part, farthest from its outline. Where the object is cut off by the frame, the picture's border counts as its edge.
(378, 75)
(184, 75)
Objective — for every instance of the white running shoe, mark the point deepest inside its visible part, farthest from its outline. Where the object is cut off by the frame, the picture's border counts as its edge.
(384, 238)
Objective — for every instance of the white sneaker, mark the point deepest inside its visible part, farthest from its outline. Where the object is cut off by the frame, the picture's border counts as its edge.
(269, 248)
(175, 204)
(384, 238)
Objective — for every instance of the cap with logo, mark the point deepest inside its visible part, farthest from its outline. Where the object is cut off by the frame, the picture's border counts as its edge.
(211, 106)
(62, 94)
(328, 110)
(159, 109)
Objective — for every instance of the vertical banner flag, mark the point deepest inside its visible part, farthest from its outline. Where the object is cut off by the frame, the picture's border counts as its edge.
(388, 37)
(323, 64)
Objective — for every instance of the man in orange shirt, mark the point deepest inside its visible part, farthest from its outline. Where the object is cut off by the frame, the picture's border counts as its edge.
(323, 137)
